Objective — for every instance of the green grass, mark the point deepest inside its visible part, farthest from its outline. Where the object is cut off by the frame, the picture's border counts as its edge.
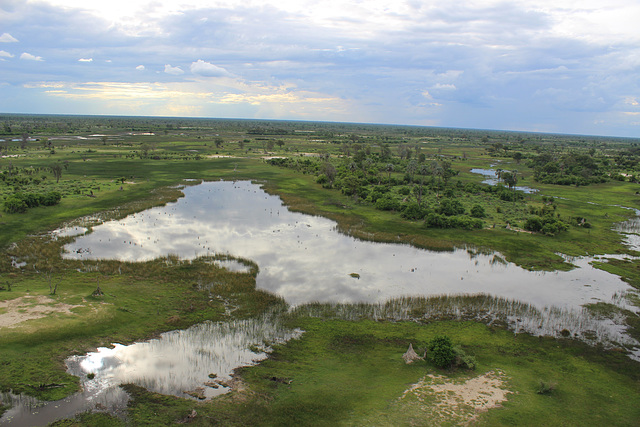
(342, 373)
(352, 373)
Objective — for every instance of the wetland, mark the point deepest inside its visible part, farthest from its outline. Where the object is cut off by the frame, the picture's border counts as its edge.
(236, 281)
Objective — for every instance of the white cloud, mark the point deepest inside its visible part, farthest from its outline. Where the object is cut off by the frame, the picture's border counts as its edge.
(30, 57)
(7, 38)
(444, 86)
(176, 71)
(206, 69)
(85, 60)
(4, 54)
(140, 68)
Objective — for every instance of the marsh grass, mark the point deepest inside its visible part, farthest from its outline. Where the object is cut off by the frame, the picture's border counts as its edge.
(517, 316)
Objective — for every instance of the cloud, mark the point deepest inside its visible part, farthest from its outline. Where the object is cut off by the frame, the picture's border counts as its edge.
(4, 54)
(520, 65)
(30, 57)
(85, 60)
(444, 86)
(7, 38)
(175, 71)
(206, 69)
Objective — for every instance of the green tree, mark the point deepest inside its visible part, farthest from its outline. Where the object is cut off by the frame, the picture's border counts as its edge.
(56, 170)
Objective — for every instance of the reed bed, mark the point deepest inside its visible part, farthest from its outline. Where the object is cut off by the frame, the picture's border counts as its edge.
(517, 316)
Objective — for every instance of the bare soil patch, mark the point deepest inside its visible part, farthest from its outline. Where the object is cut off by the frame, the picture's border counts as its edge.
(445, 401)
(18, 310)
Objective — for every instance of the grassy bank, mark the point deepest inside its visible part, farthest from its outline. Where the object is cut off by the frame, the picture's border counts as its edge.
(352, 373)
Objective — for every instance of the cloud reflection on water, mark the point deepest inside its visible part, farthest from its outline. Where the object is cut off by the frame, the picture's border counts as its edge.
(304, 259)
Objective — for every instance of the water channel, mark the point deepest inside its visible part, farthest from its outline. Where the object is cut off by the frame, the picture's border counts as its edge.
(301, 258)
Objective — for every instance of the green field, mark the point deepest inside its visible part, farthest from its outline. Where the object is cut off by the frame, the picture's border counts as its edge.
(339, 372)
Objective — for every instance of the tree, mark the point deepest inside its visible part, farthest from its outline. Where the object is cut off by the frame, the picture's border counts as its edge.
(517, 156)
(412, 168)
(389, 168)
(330, 172)
(218, 142)
(270, 144)
(423, 171)
(510, 178)
(56, 170)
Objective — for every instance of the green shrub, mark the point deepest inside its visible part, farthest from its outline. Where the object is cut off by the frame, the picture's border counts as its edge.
(450, 207)
(388, 203)
(413, 211)
(546, 388)
(464, 360)
(14, 204)
(440, 352)
(477, 211)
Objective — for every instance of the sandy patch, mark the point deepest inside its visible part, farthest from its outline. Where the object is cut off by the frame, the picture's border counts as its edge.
(26, 308)
(221, 156)
(457, 402)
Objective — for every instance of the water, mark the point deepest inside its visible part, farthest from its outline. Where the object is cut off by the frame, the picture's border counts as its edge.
(492, 179)
(197, 361)
(305, 259)
(630, 229)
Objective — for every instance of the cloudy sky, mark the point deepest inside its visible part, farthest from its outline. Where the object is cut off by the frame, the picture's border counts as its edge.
(569, 66)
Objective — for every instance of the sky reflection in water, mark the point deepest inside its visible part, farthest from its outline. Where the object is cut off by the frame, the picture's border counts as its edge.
(303, 258)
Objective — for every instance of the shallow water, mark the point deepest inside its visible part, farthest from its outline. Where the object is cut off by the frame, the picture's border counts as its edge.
(198, 359)
(304, 258)
(492, 179)
(630, 229)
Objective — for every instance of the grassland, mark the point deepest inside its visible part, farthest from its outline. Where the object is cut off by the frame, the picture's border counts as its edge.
(345, 373)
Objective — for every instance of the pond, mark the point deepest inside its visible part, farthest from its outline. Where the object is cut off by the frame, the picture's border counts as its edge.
(196, 362)
(492, 179)
(305, 259)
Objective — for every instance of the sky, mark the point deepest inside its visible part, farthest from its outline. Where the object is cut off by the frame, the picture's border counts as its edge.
(560, 66)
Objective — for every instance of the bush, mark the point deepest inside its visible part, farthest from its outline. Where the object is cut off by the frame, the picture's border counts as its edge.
(450, 207)
(477, 211)
(413, 211)
(440, 352)
(14, 204)
(388, 203)
(464, 360)
(546, 388)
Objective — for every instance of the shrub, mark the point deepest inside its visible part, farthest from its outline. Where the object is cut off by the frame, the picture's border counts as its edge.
(464, 360)
(440, 351)
(388, 203)
(546, 388)
(14, 204)
(413, 211)
(477, 211)
(450, 207)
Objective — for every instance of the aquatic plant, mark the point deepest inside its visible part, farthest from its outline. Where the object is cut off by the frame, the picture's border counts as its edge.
(516, 315)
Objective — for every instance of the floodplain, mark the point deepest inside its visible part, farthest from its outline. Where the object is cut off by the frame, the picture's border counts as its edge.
(538, 286)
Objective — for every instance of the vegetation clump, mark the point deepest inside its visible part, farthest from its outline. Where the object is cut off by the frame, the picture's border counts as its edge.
(440, 352)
